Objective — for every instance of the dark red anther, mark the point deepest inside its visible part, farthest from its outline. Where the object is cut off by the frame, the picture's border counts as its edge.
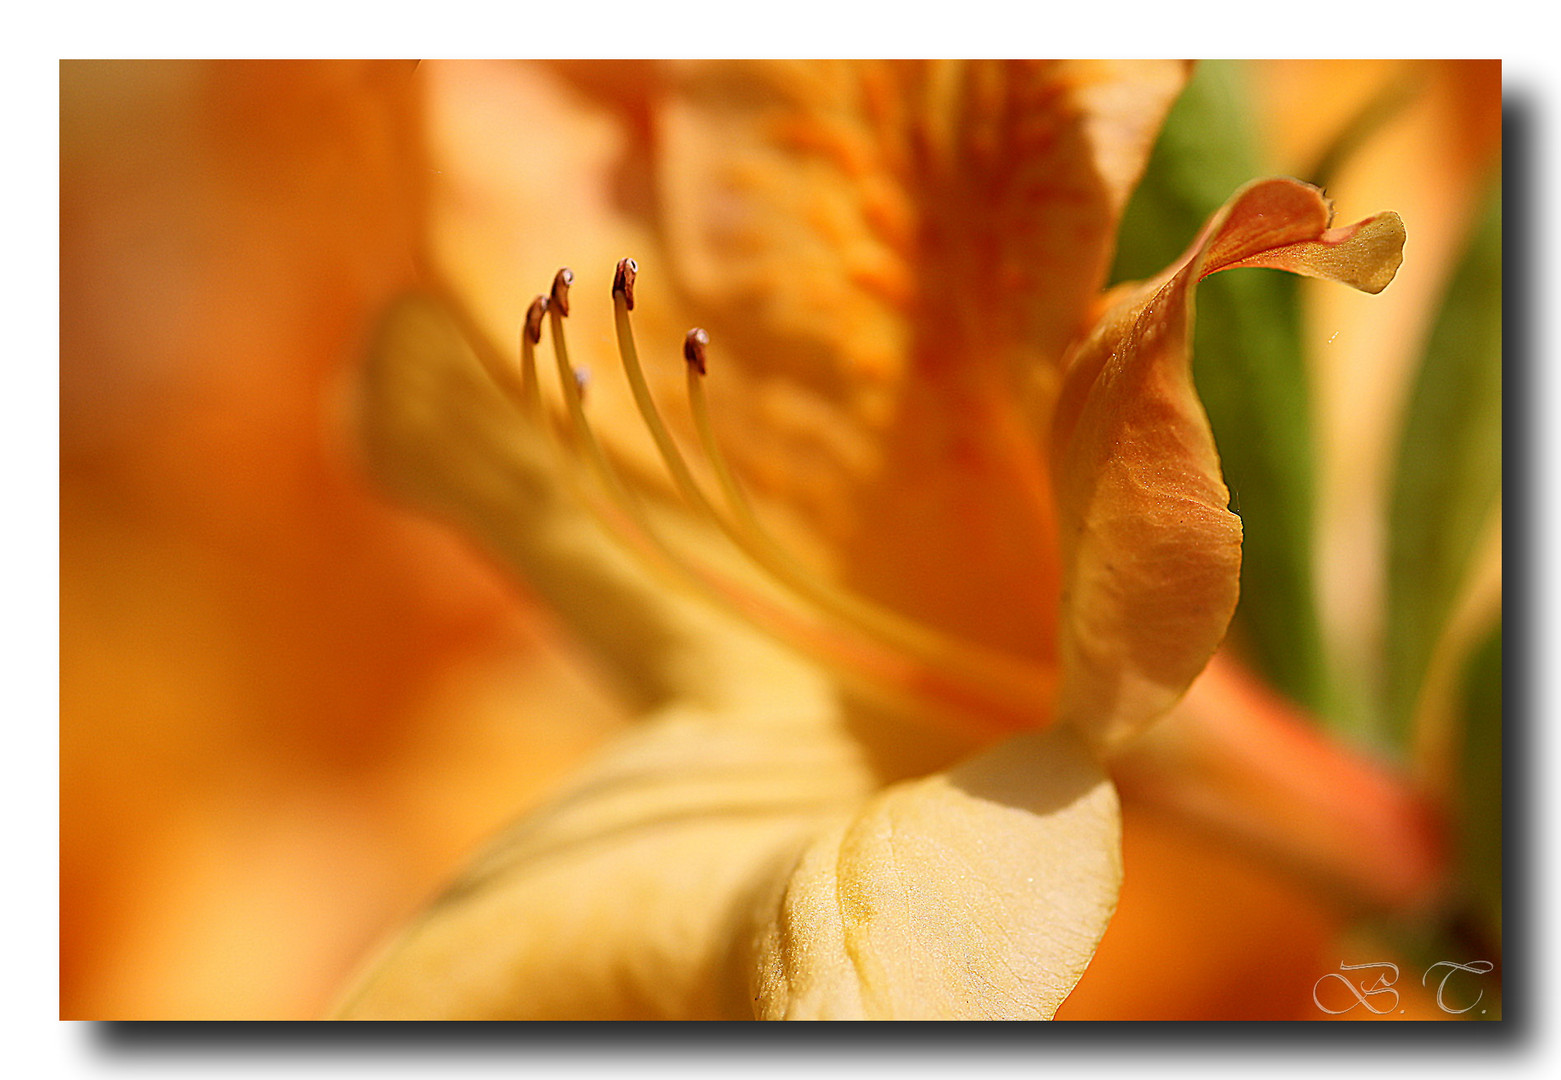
(694, 343)
(561, 282)
(534, 315)
(623, 281)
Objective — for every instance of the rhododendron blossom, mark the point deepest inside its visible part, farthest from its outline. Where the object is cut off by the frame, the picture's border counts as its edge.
(894, 524)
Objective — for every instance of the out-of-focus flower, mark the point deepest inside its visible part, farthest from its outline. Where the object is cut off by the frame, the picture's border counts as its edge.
(958, 534)
(267, 672)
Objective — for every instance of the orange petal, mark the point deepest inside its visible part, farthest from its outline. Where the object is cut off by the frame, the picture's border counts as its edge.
(895, 256)
(839, 212)
(1151, 554)
(1283, 225)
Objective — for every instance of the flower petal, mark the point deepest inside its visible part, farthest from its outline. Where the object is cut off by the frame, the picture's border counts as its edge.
(1151, 554)
(895, 255)
(1283, 225)
(632, 895)
(845, 211)
(979, 893)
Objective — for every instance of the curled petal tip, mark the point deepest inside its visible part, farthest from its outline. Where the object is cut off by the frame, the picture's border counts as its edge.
(694, 343)
(1365, 256)
(560, 294)
(534, 315)
(623, 281)
(1283, 224)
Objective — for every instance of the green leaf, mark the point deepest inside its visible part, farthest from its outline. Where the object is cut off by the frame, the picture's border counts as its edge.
(1448, 479)
(1248, 366)
(1479, 833)
(1469, 927)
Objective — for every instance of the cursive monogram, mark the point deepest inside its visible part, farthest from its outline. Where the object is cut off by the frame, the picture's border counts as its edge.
(1379, 996)
(1474, 967)
(1363, 995)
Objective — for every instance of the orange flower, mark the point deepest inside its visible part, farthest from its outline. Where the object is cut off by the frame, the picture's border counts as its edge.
(957, 533)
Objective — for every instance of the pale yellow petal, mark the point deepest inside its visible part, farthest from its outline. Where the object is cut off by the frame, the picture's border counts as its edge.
(979, 893)
(633, 895)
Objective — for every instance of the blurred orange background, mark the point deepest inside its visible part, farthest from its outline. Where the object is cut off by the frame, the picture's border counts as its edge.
(290, 709)
(283, 701)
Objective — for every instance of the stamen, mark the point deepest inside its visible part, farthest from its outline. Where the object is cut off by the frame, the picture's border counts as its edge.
(911, 688)
(694, 353)
(562, 443)
(1022, 681)
(921, 669)
(623, 301)
(1025, 683)
(530, 338)
(573, 385)
(543, 419)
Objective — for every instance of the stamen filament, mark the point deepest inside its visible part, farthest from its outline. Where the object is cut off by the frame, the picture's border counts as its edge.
(941, 680)
(1028, 686)
(530, 336)
(544, 421)
(749, 536)
(623, 302)
(913, 687)
(1025, 682)
(573, 402)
